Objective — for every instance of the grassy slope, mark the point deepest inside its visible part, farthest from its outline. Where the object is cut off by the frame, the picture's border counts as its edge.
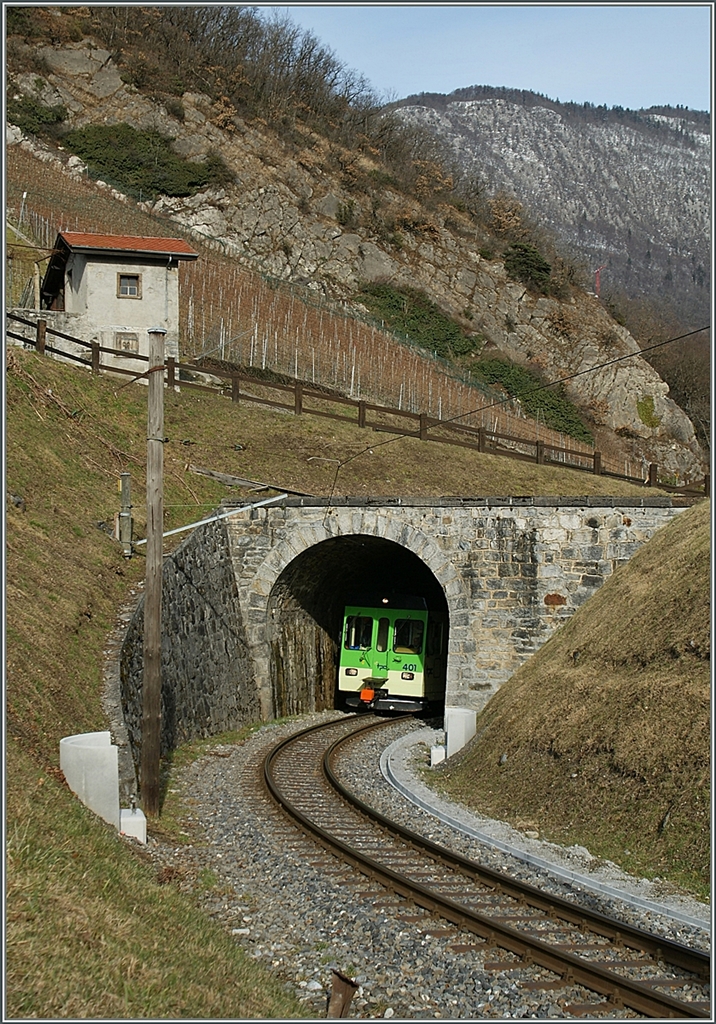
(607, 729)
(76, 944)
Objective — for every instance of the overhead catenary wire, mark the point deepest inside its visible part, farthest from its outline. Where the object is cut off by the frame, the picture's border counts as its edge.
(531, 391)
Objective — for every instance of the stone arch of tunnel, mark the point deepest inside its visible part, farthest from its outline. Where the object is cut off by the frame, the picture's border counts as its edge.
(305, 611)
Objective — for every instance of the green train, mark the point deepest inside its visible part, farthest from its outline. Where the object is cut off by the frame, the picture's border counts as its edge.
(393, 655)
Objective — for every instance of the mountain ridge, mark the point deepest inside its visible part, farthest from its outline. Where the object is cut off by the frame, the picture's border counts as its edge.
(627, 188)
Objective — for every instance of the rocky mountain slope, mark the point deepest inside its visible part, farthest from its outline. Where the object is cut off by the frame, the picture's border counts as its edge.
(628, 191)
(306, 212)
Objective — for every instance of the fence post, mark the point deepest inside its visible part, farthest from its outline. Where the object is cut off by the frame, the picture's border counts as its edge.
(95, 356)
(235, 388)
(653, 474)
(298, 399)
(597, 463)
(540, 453)
(171, 372)
(481, 439)
(707, 485)
(41, 334)
(423, 427)
(361, 413)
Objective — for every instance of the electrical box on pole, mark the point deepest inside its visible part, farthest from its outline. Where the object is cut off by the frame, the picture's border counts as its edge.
(123, 531)
(152, 671)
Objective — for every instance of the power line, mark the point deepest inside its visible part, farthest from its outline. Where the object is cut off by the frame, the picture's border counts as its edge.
(526, 394)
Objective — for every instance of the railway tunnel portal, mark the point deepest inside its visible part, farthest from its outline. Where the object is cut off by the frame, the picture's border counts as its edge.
(305, 611)
(507, 571)
(252, 603)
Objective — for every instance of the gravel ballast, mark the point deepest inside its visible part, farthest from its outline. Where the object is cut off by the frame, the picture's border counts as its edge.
(303, 914)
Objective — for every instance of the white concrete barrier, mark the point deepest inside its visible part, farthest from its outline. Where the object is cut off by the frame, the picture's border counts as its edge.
(132, 822)
(89, 763)
(437, 754)
(459, 727)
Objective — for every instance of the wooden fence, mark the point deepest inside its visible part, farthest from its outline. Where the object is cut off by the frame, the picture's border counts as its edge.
(302, 399)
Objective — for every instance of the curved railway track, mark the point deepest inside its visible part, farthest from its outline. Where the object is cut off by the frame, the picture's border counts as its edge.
(559, 944)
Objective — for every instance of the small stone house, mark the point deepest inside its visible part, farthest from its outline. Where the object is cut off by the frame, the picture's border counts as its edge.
(113, 288)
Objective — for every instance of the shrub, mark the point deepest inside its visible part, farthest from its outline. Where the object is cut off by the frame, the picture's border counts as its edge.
(34, 117)
(143, 161)
(174, 107)
(410, 312)
(550, 405)
(524, 263)
(645, 408)
(346, 215)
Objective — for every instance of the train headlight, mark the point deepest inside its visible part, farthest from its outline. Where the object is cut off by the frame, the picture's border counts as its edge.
(407, 675)
(351, 671)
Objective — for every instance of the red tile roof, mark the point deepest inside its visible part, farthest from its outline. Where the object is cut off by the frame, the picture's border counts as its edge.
(129, 243)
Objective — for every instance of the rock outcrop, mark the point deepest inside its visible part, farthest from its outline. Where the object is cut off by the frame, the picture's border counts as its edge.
(293, 215)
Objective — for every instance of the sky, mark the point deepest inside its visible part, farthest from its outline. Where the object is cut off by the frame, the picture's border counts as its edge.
(628, 55)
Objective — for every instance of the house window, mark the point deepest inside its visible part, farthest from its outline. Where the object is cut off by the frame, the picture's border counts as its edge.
(126, 342)
(129, 286)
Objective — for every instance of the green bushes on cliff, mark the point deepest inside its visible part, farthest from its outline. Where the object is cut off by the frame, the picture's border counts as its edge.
(35, 117)
(523, 262)
(143, 161)
(550, 405)
(410, 312)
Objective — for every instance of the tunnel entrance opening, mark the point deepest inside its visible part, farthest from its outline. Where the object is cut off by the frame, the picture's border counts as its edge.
(306, 605)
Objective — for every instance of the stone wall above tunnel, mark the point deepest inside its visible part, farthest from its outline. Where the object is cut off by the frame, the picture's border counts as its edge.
(510, 569)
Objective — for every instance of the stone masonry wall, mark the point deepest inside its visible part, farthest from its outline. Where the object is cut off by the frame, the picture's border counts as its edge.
(207, 675)
(511, 571)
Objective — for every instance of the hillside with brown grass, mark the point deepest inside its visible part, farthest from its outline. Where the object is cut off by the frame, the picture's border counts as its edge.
(73, 945)
(603, 737)
(228, 310)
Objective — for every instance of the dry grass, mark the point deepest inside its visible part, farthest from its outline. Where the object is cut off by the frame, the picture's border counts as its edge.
(92, 929)
(77, 944)
(607, 729)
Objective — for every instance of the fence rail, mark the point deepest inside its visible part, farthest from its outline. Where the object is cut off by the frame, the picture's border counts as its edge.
(306, 400)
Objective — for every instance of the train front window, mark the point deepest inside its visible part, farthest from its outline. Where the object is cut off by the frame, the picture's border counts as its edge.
(408, 638)
(359, 629)
(381, 643)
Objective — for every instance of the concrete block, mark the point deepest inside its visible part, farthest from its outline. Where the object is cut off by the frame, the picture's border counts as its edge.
(90, 765)
(437, 754)
(132, 822)
(459, 727)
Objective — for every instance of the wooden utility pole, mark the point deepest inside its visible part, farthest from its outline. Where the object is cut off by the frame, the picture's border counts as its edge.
(152, 674)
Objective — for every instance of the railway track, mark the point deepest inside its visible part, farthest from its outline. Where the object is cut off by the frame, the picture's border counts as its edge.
(545, 942)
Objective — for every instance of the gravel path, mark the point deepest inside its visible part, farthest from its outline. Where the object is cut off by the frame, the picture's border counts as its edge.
(303, 914)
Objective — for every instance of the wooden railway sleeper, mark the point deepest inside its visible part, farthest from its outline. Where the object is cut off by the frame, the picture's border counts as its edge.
(593, 976)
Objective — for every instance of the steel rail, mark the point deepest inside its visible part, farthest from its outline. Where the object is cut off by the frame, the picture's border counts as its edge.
(570, 967)
(671, 952)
